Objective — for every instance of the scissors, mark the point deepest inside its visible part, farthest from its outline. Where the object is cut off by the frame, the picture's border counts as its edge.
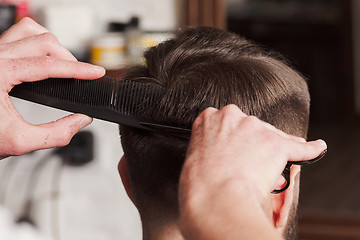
(286, 172)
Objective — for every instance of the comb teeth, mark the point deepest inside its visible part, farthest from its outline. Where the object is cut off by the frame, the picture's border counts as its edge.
(115, 100)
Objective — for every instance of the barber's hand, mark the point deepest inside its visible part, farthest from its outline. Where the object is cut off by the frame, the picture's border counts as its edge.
(28, 52)
(233, 162)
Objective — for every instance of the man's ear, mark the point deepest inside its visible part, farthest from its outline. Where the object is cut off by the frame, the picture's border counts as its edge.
(124, 174)
(283, 202)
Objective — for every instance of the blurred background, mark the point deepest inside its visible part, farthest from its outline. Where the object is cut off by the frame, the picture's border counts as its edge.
(76, 193)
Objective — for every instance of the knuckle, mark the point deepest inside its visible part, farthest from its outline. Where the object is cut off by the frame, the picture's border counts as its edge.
(28, 25)
(209, 111)
(251, 122)
(206, 114)
(27, 22)
(48, 38)
(231, 114)
(48, 42)
(231, 108)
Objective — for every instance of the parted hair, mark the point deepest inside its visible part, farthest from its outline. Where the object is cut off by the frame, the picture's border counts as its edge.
(216, 68)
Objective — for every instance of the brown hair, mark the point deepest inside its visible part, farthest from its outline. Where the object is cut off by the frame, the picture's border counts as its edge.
(216, 68)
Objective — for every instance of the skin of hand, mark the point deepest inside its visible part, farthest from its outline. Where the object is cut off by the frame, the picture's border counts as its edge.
(233, 162)
(28, 52)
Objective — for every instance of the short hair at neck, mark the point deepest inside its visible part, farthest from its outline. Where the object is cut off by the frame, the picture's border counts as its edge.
(218, 68)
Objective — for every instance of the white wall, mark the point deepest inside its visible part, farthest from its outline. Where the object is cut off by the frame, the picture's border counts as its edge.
(159, 15)
(156, 15)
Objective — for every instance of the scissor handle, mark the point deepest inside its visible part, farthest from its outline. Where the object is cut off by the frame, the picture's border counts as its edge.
(286, 172)
(286, 175)
(307, 162)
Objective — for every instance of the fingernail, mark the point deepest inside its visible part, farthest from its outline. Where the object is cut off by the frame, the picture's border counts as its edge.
(86, 120)
(98, 69)
(302, 139)
(322, 143)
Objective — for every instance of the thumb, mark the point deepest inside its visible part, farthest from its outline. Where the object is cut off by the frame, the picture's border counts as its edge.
(54, 134)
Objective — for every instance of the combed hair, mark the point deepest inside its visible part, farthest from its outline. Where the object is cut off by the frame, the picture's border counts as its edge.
(215, 68)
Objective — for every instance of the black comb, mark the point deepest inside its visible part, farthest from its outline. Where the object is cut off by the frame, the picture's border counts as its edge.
(110, 99)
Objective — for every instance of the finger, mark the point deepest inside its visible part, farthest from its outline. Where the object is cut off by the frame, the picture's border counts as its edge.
(232, 109)
(44, 44)
(306, 151)
(54, 134)
(231, 116)
(283, 134)
(207, 113)
(31, 69)
(24, 28)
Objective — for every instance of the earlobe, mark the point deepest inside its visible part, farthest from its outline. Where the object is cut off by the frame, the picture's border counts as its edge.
(283, 202)
(124, 174)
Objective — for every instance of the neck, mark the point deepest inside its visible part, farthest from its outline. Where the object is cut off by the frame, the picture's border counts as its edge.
(155, 230)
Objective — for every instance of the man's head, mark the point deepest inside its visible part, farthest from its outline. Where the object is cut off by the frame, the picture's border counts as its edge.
(212, 68)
